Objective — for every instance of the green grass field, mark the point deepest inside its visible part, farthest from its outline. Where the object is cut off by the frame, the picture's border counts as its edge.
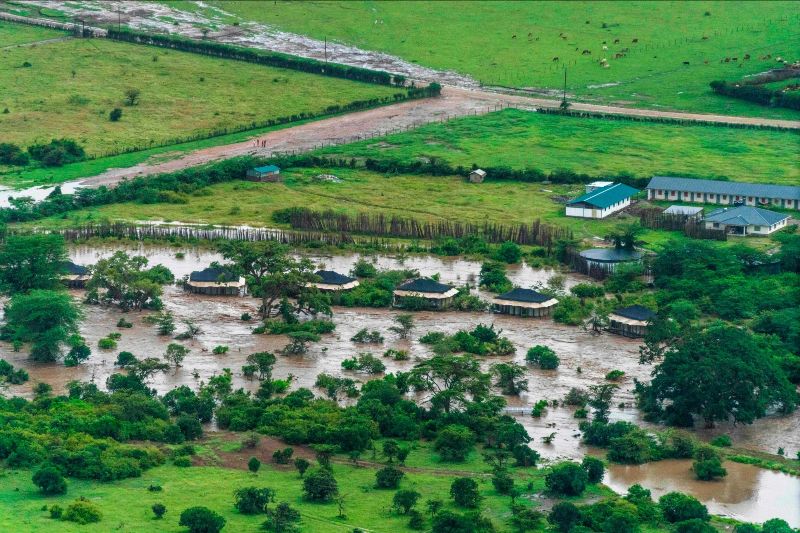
(522, 139)
(12, 35)
(478, 39)
(71, 87)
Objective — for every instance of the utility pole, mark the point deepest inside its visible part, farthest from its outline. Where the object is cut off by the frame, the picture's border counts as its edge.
(326, 48)
(564, 104)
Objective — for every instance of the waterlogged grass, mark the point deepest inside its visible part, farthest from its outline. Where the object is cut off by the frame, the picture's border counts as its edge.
(71, 86)
(16, 34)
(514, 43)
(524, 139)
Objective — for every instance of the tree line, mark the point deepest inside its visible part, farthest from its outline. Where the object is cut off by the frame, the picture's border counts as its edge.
(757, 94)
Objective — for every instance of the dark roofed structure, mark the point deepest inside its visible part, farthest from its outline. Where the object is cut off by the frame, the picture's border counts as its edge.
(611, 255)
(75, 276)
(333, 281)
(523, 302)
(723, 192)
(215, 281)
(74, 269)
(437, 295)
(631, 321)
(213, 274)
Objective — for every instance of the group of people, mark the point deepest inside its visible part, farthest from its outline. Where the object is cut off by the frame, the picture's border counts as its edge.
(259, 143)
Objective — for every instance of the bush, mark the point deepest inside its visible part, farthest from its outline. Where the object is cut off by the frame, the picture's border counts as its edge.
(567, 479)
(454, 442)
(615, 375)
(122, 323)
(564, 516)
(708, 465)
(50, 480)
(696, 525)
(464, 491)
(82, 512)
(57, 152)
(107, 344)
(159, 509)
(201, 520)
(405, 500)
(543, 356)
(56, 512)
(182, 461)
(252, 500)
(283, 456)
(509, 252)
(388, 477)
(220, 350)
(364, 336)
(253, 465)
(320, 486)
(11, 154)
(678, 507)
(587, 290)
(594, 468)
(635, 447)
(115, 114)
(282, 518)
(722, 441)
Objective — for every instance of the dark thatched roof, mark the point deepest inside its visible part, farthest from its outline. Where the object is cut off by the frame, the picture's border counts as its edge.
(221, 275)
(524, 295)
(329, 277)
(635, 312)
(72, 269)
(424, 285)
(611, 255)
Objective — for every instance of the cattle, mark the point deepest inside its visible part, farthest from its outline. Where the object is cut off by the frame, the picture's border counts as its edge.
(555, 59)
(746, 57)
(605, 47)
(586, 53)
(685, 62)
(618, 55)
(635, 41)
(514, 36)
(616, 41)
(705, 37)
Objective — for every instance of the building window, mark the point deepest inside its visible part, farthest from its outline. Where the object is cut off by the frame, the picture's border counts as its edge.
(724, 196)
(756, 228)
(716, 224)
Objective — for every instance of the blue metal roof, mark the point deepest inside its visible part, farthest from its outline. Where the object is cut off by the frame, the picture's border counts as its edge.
(267, 168)
(733, 188)
(605, 196)
(745, 215)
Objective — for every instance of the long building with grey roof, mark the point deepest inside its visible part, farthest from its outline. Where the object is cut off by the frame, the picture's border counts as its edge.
(670, 189)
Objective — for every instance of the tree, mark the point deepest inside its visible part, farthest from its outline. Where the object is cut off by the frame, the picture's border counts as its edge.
(29, 262)
(510, 378)
(282, 519)
(11, 154)
(696, 525)
(252, 500)
(404, 324)
(708, 464)
(390, 449)
(301, 464)
(299, 341)
(253, 465)
(201, 520)
(158, 510)
(493, 277)
(678, 507)
(721, 372)
(45, 318)
(123, 280)
(388, 477)
(263, 361)
(450, 522)
(452, 379)
(566, 478)
(509, 252)
(50, 480)
(594, 468)
(404, 500)
(524, 519)
(776, 525)
(564, 516)
(600, 397)
(320, 486)
(274, 276)
(543, 356)
(454, 442)
(132, 96)
(176, 353)
(464, 491)
(115, 114)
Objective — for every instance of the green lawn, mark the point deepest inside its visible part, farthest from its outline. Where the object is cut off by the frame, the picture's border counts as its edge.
(71, 87)
(477, 38)
(361, 191)
(15, 34)
(523, 139)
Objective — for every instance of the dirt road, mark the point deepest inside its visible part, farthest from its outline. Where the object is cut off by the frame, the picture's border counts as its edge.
(365, 124)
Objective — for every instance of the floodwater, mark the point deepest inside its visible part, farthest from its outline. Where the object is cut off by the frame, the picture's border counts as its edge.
(585, 360)
(38, 193)
(746, 493)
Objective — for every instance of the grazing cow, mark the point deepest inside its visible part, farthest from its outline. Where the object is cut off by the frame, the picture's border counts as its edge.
(586, 53)
(734, 59)
(555, 59)
(705, 37)
(530, 34)
(626, 49)
(605, 47)
(564, 37)
(705, 62)
(635, 41)
(618, 55)
(727, 59)
(616, 41)
(746, 57)
(685, 62)
(514, 36)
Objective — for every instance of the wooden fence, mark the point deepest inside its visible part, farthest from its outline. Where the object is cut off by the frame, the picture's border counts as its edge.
(690, 226)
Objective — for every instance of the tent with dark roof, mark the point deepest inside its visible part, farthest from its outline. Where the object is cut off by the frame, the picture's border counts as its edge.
(524, 302)
(333, 281)
(74, 276)
(436, 295)
(631, 321)
(215, 281)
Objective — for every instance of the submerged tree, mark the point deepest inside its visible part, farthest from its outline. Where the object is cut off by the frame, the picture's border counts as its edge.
(124, 281)
(510, 378)
(29, 262)
(453, 380)
(46, 319)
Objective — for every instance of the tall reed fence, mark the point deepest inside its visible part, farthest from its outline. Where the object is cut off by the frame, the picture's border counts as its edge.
(690, 226)
(379, 224)
(601, 271)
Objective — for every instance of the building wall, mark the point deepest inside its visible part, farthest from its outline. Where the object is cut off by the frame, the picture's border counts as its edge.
(589, 212)
(721, 199)
(752, 230)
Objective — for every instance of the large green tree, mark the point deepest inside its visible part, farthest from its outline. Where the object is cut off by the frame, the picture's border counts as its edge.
(717, 373)
(46, 319)
(452, 380)
(274, 276)
(125, 281)
(29, 262)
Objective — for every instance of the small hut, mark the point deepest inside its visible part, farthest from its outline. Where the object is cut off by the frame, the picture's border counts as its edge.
(215, 282)
(630, 321)
(437, 295)
(524, 302)
(75, 276)
(477, 176)
(331, 281)
(265, 173)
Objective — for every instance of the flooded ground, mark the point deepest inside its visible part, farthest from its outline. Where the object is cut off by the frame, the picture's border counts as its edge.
(37, 193)
(747, 493)
(585, 360)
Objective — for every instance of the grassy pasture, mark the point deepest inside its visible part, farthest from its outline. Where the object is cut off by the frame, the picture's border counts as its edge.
(477, 38)
(17, 34)
(72, 86)
(522, 139)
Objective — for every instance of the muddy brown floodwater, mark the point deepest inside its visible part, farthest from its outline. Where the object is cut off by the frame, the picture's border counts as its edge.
(594, 355)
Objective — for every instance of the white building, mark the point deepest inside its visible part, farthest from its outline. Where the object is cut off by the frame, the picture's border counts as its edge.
(723, 192)
(746, 220)
(599, 203)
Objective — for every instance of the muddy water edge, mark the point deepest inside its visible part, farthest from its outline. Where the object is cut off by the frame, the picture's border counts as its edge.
(585, 360)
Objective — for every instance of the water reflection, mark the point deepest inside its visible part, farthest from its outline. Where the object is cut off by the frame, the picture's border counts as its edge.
(38, 193)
